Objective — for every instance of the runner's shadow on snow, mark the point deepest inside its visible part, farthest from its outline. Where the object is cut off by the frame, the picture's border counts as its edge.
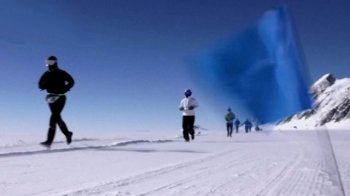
(252, 141)
(78, 140)
(110, 147)
(147, 150)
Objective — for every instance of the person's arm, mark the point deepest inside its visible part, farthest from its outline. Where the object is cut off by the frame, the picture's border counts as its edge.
(181, 107)
(194, 104)
(42, 82)
(69, 79)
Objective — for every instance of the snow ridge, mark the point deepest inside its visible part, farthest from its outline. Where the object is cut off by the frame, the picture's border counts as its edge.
(72, 148)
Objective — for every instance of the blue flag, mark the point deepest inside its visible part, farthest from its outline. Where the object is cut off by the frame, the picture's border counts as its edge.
(261, 67)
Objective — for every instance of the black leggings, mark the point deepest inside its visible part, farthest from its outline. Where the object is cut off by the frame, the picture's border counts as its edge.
(56, 109)
(229, 127)
(187, 126)
(237, 127)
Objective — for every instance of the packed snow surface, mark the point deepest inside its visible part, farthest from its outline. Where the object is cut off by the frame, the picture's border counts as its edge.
(276, 163)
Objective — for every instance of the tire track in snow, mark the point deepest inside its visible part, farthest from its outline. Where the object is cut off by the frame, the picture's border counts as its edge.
(229, 182)
(283, 176)
(194, 166)
(193, 176)
(281, 173)
(208, 187)
(270, 174)
(301, 175)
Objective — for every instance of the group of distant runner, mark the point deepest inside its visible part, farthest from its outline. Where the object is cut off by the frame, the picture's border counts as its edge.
(188, 105)
(58, 82)
(231, 119)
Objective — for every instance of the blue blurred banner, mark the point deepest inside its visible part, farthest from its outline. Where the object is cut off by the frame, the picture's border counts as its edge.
(261, 66)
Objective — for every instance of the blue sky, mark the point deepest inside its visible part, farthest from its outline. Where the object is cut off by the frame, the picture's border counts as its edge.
(127, 56)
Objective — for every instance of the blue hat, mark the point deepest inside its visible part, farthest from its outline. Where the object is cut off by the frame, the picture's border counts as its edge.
(188, 92)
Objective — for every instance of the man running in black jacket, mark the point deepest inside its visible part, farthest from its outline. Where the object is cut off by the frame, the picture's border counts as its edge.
(54, 82)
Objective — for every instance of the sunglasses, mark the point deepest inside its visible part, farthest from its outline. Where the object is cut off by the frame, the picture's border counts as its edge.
(50, 62)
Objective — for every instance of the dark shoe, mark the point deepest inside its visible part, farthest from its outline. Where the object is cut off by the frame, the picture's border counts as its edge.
(192, 136)
(46, 144)
(69, 137)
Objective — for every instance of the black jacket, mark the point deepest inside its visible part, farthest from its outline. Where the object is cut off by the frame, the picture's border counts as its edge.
(55, 81)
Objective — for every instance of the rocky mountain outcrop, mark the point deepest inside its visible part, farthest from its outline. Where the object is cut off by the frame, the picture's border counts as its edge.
(332, 101)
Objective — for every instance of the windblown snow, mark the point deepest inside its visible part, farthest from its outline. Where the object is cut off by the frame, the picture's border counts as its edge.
(162, 164)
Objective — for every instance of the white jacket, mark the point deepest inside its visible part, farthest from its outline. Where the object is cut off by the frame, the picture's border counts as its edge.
(186, 103)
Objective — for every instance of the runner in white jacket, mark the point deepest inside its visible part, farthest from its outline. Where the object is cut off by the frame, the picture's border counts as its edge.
(187, 106)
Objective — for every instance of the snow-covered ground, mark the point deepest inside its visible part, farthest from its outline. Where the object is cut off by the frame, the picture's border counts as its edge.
(162, 164)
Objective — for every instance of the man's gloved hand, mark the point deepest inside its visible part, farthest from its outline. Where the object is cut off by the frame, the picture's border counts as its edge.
(181, 108)
(42, 86)
(191, 108)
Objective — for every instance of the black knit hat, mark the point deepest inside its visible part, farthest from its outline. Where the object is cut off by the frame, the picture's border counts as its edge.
(52, 58)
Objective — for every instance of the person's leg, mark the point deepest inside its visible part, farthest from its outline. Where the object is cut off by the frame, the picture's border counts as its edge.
(58, 109)
(50, 137)
(185, 127)
(191, 126)
(52, 124)
(230, 128)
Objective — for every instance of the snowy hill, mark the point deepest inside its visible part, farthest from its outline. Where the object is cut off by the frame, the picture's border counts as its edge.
(332, 106)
